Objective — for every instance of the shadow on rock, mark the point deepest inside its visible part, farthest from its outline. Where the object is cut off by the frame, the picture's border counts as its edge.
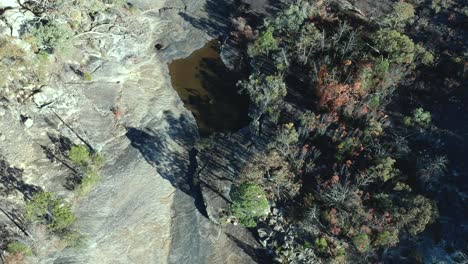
(259, 255)
(216, 21)
(162, 149)
(10, 180)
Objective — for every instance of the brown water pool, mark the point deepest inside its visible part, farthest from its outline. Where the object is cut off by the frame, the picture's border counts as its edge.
(208, 89)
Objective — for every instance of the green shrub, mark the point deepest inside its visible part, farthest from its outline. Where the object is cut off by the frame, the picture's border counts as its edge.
(90, 163)
(420, 117)
(249, 203)
(89, 181)
(321, 244)
(264, 44)
(439, 5)
(397, 47)
(361, 242)
(291, 19)
(416, 214)
(401, 14)
(424, 56)
(383, 239)
(384, 169)
(286, 137)
(79, 155)
(50, 210)
(87, 76)
(19, 248)
(371, 77)
(52, 37)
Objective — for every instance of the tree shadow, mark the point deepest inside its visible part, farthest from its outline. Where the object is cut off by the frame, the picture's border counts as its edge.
(10, 180)
(57, 152)
(158, 150)
(257, 254)
(216, 20)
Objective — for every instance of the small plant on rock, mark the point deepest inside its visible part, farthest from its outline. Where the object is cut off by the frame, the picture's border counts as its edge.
(17, 247)
(52, 37)
(90, 164)
(51, 211)
(249, 204)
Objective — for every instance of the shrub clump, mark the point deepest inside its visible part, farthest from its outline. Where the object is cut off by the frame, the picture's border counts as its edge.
(420, 117)
(264, 44)
(249, 203)
(51, 211)
(90, 164)
(398, 47)
(361, 242)
(17, 247)
(402, 14)
(52, 37)
(79, 155)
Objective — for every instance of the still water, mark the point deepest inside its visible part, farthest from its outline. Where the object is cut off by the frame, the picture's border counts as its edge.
(208, 89)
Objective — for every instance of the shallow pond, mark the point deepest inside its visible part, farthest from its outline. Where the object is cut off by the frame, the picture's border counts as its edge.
(208, 89)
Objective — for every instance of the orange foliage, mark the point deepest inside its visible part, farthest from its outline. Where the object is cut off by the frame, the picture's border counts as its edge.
(333, 95)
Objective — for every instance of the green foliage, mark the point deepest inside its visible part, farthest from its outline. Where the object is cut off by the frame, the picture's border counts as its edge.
(439, 5)
(383, 239)
(286, 137)
(402, 13)
(88, 182)
(52, 37)
(384, 170)
(361, 242)
(309, 40)
(290, 19)
(424, 56)
(79, 155)
(50, 210)
(249, 203)
(400, 186)
(272, 172)
(264, 44)
(87, 76)
(321, 244)
(19, 248)
(18, 66)
(359, 194)
(416, 214)
(91, 163)
(420, 117)
(346, 147)
(371, 77)
(374, 129)
(397, 47)
(266, 92)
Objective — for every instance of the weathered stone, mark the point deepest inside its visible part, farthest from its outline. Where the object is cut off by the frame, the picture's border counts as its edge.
(28, 122)
(143, 210)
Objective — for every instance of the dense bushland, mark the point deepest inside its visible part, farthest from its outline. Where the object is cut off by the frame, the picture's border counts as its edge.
(337, 168)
